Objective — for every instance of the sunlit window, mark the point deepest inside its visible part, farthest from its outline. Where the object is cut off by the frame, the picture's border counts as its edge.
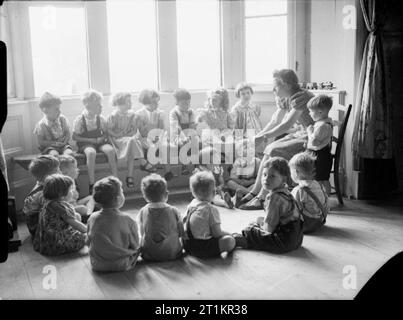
(266, 39)
(198, 37)
(59, 49)
(132, 40)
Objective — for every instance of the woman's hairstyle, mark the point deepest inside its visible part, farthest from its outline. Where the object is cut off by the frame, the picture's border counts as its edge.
(305, 163)
(147, 95)
(154, 187)
(242, 86)
(66, 161)
(287, 76)
(280, 165)
(202, 184)
(221, 92)
(90, 96)
(42, 166)
(106, 191)
(181, 94)
(56, 186)
(120, 98)
(48, 100)
(320, 102)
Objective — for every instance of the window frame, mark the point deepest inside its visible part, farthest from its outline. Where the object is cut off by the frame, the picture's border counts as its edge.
(232, 44)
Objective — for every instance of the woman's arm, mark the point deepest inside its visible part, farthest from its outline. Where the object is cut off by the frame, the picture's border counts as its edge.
(283, 127)
(275, 120)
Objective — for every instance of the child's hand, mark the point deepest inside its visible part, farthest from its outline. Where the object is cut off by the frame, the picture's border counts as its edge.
(310, 129)
(58, 144)
(78, 217)
(100, 140)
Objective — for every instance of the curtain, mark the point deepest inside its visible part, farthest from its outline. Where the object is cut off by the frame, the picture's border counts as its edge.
(372, 123)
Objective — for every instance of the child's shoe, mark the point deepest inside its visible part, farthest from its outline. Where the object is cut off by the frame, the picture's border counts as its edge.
(168, 176)
(228, 201)
(240, 241)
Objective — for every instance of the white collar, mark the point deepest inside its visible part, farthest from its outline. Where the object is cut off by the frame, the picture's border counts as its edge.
(157, 205)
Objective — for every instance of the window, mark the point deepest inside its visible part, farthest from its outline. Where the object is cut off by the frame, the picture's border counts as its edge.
(266, 39)
(59, 49)
(132, 41)
(198, 38)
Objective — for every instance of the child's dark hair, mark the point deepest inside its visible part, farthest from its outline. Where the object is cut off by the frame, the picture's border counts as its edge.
(56, 186)
(320, 102)
(106, 191)
(49, 100)
(42, 166)
(242, 86)
(202, 184)
(305, 163)
(65, 161)
(153, 187)
(181, 94)
(147, 95)
(281, 166)
(287, 76)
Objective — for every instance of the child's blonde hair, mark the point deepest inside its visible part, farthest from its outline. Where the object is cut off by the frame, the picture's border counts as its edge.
(106, 191)
(320, 102)
(42, 166)
(181, 94)
(154, 187)
(242, 86)
(90, 96)
(57, 186)
(66, 161)
(120, 98)
(49, 100)
(222, 93)
(305, 163)
(147, 95)
(202, 185)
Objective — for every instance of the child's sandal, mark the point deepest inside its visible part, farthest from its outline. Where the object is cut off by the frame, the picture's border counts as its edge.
(148, 167)
(129, 182)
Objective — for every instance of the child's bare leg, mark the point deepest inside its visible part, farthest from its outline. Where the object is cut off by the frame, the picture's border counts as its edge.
(90, 154)
(234, 186)
(257, 187)
(130, 160)
(110, 154)
(226, 243)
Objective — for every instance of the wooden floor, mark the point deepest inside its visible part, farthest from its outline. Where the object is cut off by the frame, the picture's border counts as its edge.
(359, 234)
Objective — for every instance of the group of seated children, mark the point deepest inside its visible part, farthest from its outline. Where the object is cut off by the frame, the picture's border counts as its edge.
(56, 217)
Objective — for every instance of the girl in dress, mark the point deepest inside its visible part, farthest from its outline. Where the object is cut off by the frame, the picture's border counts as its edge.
(60, 229)
(122, 126)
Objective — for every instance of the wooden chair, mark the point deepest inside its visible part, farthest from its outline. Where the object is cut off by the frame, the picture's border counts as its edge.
(338, 141)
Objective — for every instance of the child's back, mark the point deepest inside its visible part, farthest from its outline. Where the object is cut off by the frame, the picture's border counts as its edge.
(162, 227)
(113, 240)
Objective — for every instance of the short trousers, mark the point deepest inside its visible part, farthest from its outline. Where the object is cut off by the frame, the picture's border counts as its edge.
(203, 248)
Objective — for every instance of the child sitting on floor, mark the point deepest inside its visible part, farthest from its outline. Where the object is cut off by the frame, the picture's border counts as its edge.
(91, 133)
(60, 229)
(123, 126)
(84, 206)
(40, 168)
(320, 137)
(281, 230)
(204, 237)
(150, 120)
(210, 161)
(52, 131)
(310, 194)
(113, 237)
(160, 224)
(243, 172)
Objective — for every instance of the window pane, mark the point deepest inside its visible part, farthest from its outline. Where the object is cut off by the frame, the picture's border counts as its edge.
(198, 43)
(59, 50)
(263, 7)
(132, 40)
(266, 48)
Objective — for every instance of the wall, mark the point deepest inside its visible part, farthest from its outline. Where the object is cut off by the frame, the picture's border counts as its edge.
(334, 53)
